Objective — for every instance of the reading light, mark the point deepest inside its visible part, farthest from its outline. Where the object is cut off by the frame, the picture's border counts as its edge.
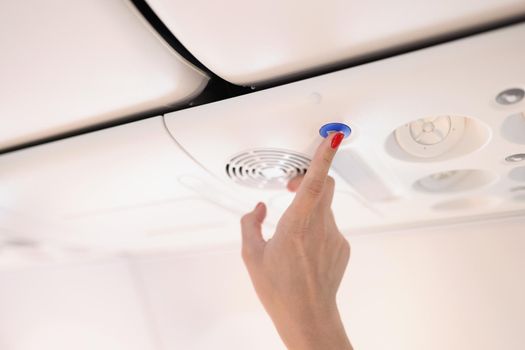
(510, 96)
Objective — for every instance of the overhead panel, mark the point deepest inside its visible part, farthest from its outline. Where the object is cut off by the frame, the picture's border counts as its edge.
(66, 65)
(121, 189)
(255, 42)
(433, 142)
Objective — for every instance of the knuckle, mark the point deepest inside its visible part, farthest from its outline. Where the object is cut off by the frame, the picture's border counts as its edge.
(327, 159)
(330, 182)
(245, 219)
(315, 187)
(300, 228)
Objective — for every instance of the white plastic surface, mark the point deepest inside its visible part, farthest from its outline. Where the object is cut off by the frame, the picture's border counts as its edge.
(70, 64)
(250, 42)
(127, 188)
(457, 78)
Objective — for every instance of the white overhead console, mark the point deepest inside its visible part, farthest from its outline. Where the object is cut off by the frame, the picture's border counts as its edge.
(70, 64)
(434, 135)
(251, 42)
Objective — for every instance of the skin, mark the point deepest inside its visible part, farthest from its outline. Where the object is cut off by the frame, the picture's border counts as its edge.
(297, 272)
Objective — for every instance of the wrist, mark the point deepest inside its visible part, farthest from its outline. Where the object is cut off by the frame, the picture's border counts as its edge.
(320, 330)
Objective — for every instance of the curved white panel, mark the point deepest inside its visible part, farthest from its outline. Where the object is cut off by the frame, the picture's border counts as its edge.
(125, 188)
(249, 42)
(69, 64)
(457, 78)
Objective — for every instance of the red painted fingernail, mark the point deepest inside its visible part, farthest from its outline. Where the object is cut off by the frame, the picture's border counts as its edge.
(337, 139)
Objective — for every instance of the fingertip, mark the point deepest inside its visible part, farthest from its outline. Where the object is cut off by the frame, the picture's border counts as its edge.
(260, 211)
(260, 206)
(293, 184)
(326, 151)
(336, 140)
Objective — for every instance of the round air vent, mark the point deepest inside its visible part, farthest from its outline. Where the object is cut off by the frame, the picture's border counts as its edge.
(430, 137)
(430, 131)
(266, 167)
(437, 138)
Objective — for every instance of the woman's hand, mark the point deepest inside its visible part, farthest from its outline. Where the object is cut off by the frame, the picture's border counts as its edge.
(297, 273)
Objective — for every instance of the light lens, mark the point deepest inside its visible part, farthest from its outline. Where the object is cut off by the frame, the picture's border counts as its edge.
(510, 96)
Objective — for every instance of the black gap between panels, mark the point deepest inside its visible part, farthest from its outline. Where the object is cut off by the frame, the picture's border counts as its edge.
(219, 89)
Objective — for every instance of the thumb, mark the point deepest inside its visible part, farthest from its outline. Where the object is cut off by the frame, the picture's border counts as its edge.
(252, 239)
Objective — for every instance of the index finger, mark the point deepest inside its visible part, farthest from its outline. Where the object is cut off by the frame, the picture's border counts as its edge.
(313, 183)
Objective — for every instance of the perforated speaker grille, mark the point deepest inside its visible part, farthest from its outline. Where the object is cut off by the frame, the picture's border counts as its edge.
(266, 168)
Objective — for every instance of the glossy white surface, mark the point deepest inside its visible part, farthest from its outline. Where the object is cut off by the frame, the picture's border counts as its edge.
(375, 177)
(124, 188)
(66, 65)
(259, 41)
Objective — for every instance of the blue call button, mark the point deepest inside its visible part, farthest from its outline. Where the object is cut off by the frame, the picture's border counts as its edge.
(329, 128)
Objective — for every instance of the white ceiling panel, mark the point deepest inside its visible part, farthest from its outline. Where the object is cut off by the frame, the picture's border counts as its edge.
(134, 188)
(69, 64)
(250, 42)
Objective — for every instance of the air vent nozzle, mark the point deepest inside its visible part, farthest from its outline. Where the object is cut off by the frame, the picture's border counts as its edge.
(267, 168)
(430, 137)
